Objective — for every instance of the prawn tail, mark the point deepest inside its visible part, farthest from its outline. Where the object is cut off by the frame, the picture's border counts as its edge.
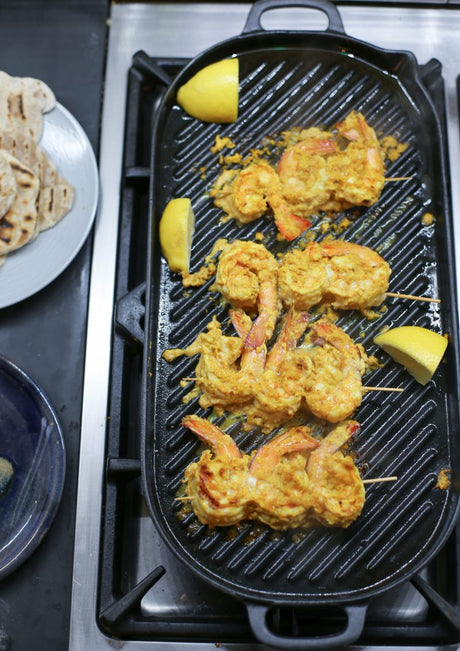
(237, 317)
(222, 444)
(296, 439)
(288, 224)
(257, 334)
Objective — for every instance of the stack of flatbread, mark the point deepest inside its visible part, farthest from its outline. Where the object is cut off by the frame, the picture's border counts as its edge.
(33, 195)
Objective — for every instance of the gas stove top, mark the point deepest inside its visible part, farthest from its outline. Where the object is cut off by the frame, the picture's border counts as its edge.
(128, 589)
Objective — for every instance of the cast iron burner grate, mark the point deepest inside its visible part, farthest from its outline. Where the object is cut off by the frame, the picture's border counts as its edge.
(129, 593)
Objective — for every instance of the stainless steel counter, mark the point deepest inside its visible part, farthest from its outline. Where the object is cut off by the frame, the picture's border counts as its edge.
(184, 30)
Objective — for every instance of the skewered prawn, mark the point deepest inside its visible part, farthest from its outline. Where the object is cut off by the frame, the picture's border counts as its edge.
(218, 373)
(336, 488)
(278, 395)
(333, 388)
(341, 274)
(216, 482)
(248, 194)
(243, 195)
(279, 484)
(247, 277)
(358, 173)
(292, 481)
(303, 277)
(303, 173)
(358, 275)
(303, 182)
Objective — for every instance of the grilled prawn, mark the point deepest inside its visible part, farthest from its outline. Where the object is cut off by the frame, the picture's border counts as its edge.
(333, 389)
(247, 277)
(294, 480)
(334, 272)
(324, 172)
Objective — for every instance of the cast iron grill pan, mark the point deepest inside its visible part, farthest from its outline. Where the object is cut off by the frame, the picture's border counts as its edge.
(286, 80)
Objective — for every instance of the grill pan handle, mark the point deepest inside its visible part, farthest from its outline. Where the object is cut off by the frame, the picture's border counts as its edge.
(253, 23)
(356, 615)
(130, 312)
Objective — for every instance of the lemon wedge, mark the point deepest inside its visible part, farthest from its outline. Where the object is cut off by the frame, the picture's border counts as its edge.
(418, 349)
(211, 95)
(177, 225)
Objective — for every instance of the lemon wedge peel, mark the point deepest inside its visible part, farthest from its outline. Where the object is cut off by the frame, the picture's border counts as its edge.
(418, 349)
(177, 226)
(212, 94)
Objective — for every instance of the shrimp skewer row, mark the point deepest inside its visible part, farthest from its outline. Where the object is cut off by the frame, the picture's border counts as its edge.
(294, 480)
(342, 274)
(326, 171)
(248, 194)
(322, 376)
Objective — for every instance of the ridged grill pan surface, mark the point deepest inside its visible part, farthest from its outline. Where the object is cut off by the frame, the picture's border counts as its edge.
(310, 79)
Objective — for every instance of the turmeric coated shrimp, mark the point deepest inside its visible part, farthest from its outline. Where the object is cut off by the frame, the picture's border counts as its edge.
(337, 273)
(358, 172)
(218, 374)
(334, 386)
(247, 277)
(302, 170)
(243, 194)
(358, 275)
(294, 480)
(278, 395)
(251, 193)
(296, 439)
(215, 482)
(336, 489)
(303, 277)
(279, 484)
(248, 194)
(253, 357)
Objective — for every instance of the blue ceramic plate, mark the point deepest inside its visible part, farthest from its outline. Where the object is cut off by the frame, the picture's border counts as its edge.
(31, 440)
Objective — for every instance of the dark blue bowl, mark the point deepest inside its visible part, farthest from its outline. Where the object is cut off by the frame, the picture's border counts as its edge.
(31, 439)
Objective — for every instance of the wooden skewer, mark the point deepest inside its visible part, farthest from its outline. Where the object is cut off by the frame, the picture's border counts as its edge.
(394, 389)
(379, 480)
(428, 299)
(183, 499)
(399, 178)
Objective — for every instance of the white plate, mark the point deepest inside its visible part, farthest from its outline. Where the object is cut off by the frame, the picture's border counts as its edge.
(35, 265)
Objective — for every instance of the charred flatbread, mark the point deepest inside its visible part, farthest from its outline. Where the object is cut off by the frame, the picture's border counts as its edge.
(19, 224)
(56, 193)
(23, 100)
(8, 186)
